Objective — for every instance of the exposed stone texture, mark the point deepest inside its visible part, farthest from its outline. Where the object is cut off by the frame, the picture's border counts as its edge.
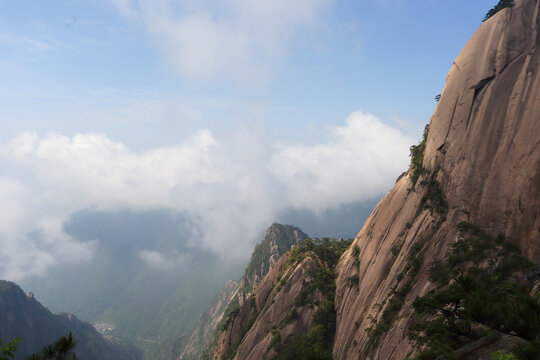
(208, 322)
(484, 147)
(268, 310)
(277, 240)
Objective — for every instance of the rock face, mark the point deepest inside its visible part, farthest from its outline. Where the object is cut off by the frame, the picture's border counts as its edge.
(277, 240)
(290, 312)
(198, 340)
(249, 334)
(481, 165)
(24, 317)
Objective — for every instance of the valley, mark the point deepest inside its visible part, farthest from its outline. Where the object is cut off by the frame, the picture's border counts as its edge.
(443, 265)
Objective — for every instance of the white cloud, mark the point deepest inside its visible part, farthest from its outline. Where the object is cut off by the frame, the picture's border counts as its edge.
(362, 158)
(232, 186)
(240, 39)
(31, 242)
(164, 261)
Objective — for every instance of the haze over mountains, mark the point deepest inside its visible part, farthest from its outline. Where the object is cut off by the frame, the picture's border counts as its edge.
(445, 265)
(149, 277)
(24, 317)
(436, 270)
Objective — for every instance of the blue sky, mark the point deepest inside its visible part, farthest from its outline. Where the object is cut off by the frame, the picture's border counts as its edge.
(232, 111)
(64, 60)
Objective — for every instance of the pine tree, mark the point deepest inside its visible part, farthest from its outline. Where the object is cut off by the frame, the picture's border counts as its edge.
(501, 5)
(61, 349)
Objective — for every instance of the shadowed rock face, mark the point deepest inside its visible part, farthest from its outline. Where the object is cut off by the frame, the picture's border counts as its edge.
(277, 240)
(291, 310)
(208, 323)
(24, 317)
(482, 159)
(267, 309)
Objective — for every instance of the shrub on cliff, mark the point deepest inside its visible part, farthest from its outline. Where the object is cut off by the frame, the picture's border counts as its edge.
(501, 5)
(480, 287)
(7, 351)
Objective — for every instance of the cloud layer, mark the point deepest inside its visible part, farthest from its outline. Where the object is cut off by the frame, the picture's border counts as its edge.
(238, 39)
(231, 186)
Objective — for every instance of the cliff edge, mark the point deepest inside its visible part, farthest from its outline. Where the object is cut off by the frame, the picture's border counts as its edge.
(480, 163)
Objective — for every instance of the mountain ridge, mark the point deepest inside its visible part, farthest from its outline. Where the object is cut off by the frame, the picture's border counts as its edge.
(23, 317)
(276, 241)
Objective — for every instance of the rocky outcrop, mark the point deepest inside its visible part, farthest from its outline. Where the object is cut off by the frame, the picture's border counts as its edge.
(290, 308)
(277, 240)
(481, 165)
(198, 340)
(24, 317)
(249, 334)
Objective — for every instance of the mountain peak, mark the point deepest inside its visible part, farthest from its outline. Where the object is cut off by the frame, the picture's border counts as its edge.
(277, 240)
(8, 287)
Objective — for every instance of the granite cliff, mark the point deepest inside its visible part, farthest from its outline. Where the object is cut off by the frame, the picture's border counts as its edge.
(277, 240)
(481, 165)
(478, 167)
(290, 313)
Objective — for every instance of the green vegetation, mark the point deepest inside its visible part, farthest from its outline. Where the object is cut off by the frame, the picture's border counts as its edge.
(61, 349)
(291, 316)
(355, 251)
(434, 199)
(502, 4)
(397, 297)
(7, 351)
(325, 253)
(208, 352)
(480, 287)
(229, 314)
(311, 345)
(117, 287)
(318, 341)
(282, 235)
(396, 248)
(353, 280)
(356, 256)
(326, 250)
(417, 157)
(37, 326)
(231, 351)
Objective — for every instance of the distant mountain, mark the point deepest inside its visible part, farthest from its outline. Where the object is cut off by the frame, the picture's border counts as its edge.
(146, 302)
(24, 317)
(341, 221)
(277, 240)
(154, 303)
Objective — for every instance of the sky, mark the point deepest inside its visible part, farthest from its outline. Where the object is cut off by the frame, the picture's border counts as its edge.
(231, 111)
